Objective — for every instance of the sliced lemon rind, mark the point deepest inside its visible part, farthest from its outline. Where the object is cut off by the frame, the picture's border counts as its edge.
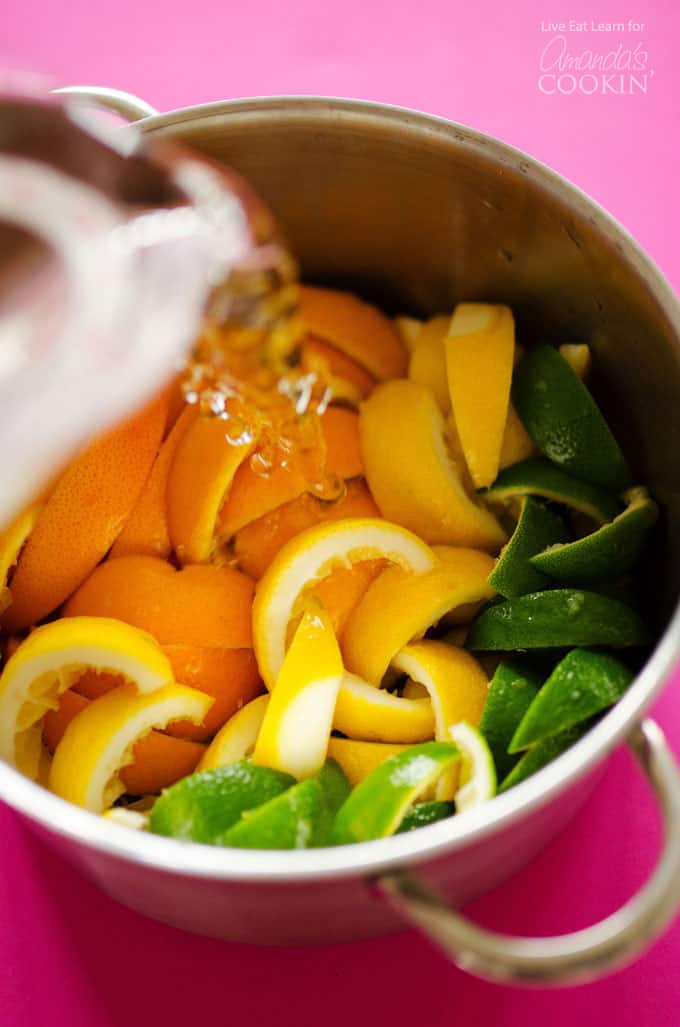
(366, 713)
(397, 609)
(100, 740)
(306, 559)
(52, 658)
(298, 754)
(236, 740)
(298, 720)
(442, 669)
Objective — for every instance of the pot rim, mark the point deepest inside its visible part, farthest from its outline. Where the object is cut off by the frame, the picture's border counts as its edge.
(168, 855)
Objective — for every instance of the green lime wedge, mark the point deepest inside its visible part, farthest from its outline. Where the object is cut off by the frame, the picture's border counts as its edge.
(512, 690)
(378, 804)
(558, 618)
(477, 780)
(536, 530)
(564, 420)
(582, 684)
(540, 755)
(335, 788)
(424, 813)
(538, 477)
(606, 553)
(290, 821)
(202, 806)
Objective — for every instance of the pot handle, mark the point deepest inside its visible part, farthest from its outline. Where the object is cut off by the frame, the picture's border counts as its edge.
(570, 958)
(116, 101)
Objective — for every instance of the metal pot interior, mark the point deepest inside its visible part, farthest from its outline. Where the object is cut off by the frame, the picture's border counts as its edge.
(418, 214)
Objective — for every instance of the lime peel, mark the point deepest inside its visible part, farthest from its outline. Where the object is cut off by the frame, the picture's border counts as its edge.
(300, 818)
(537, 528)
(609, 552)
(565, 422)
(377, 806)
(538, 477)
(582, 684)
(477, 779)
(555, 619)
(511, 691)
(285, 822)
(538, 756)
(424, 813)
(201, 807)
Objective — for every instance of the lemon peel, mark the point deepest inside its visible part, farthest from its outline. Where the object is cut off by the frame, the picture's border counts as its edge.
(411, 473)
(309, 557)
(299, 716)
(100, 740)
(372, 714)
(398, 608)
(52, 658)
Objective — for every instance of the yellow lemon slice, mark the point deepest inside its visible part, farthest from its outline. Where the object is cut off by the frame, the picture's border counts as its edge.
(12, 542)
(457, 686)
(52, 658)
(100, 740)
(359, 759)
(454, 679)
(480, 347)
(312, 555)
(365, 712)
(398, 608)
(412, 475)
(237, 738)
(299, 716)
(460, 615)
(427, 364)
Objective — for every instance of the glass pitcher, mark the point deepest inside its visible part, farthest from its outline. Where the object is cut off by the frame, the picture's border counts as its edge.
(111, 249)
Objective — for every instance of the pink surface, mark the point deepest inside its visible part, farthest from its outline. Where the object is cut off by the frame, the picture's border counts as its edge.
(69, 955)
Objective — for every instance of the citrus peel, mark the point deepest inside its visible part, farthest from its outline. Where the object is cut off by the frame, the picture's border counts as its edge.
(51, 659)
(411, 474)
(371, 714)
(312, 555)
(359, 329)
(480, 347)
(237, 738)
(398, 608)
(299, 716)
(100, 741)
(12, 541)
(83, 516)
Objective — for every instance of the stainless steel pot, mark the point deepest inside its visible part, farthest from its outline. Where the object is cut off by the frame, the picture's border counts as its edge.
(419, 213)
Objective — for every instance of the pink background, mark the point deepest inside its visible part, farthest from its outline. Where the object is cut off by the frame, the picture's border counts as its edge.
(67, 954)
